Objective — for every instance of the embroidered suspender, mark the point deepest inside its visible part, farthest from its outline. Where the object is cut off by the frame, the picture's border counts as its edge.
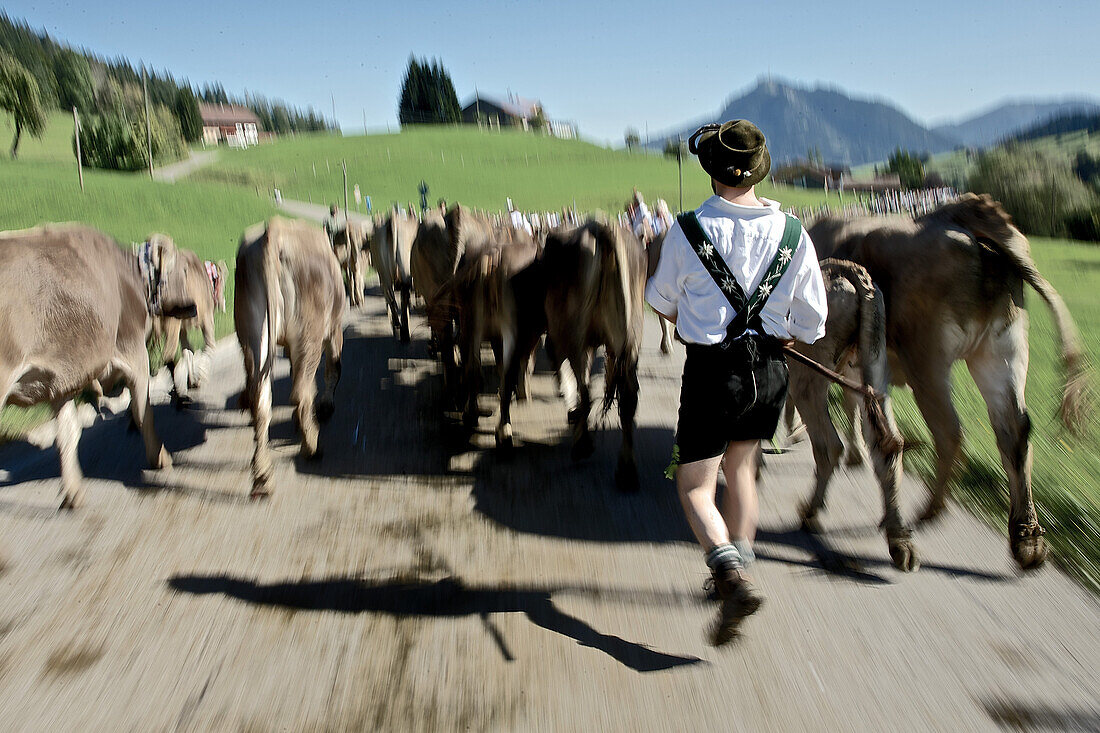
(747, 310)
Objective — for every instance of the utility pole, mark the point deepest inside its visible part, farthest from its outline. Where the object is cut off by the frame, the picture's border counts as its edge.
(680, 170)
(148, 120)
(79, 161)
(347, 212)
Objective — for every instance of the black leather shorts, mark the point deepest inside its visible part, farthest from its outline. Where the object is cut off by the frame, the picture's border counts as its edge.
(729, 394)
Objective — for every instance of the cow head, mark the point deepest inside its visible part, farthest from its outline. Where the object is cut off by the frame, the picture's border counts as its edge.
(166, 282)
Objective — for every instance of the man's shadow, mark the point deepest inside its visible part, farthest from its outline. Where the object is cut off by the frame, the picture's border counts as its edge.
(446, 598)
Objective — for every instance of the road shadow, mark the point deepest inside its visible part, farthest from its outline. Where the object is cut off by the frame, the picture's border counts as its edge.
(1021, 716)
(446, 598)
(539, 489)
(109, 449)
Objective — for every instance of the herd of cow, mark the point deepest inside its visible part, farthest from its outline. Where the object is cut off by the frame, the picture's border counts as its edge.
(907, 298)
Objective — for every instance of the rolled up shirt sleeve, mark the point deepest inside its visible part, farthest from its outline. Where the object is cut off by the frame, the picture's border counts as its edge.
(809, 306)
(664, 288)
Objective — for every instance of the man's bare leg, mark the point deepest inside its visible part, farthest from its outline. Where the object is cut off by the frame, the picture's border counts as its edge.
(740, 507)
(697, 484)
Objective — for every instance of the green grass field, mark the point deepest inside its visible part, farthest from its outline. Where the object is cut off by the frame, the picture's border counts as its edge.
(477, 168)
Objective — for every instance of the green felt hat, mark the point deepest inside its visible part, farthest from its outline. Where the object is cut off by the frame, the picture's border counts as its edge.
(733, 153)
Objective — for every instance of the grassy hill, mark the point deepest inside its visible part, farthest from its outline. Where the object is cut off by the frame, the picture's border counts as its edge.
(463, 164)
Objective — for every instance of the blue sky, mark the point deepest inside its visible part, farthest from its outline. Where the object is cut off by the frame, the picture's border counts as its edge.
(605, 65)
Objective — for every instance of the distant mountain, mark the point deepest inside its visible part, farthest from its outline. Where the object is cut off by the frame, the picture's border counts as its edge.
(992, 126)
(843, 129)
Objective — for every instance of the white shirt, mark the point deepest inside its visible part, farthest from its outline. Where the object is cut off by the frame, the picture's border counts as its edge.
(747, 237)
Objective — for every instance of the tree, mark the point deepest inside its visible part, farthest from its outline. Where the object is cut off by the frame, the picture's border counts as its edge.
(187, 114)
(74, 80)
(632, 138)
(908, 167)
(428, 95)
(676, 148)
(19, 96)
(1040, 191)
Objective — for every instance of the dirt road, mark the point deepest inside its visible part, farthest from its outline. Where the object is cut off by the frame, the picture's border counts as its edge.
(412, 580)
(182, 169)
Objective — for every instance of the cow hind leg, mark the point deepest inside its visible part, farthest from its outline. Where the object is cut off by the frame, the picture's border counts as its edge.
(666, 336)
(887, 467)
(999, 369)
(68, 436)
(513, 375)
(334, 347)
(626, 473)
(304, 393)
(855, 453)
(259, 399)
(932, 392)
(810, 394)
(403, 320)
(136, 373)
(580, 361)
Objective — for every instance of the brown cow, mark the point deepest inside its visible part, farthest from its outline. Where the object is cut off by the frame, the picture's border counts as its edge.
(74, 308)
(854, 333)
(498, 291)
(209, 296)
(440, 243)
(653, 256)
(390, 253)
(595, 280)
(953, 281)
(347, 245)
(289, 293)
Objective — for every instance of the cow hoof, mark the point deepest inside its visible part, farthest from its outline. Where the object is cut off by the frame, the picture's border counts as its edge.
(404, 336)
(182, 402)
(583, 447)
(904, 555)
(259, 493)
(665, 349)
(505, 442)
(325, 409)
(854, 458)
(71, 500)
(932, 511)
(242, 401)
(573, 417)
(626, 477)
(311, 454)
(162, 460)
(1029, 548)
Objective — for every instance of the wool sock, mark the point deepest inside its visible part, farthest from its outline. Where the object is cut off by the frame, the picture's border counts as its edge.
(744, 549)
(724, 556)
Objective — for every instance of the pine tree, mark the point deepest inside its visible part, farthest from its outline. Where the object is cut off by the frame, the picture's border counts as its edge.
(428, 95)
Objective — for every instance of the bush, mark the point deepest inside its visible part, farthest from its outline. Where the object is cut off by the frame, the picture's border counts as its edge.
(1041, 192)
(1084, 224)
(116, 140)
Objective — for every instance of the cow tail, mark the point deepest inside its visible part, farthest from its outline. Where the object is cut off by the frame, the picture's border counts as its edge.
(872, 352)
(988, 222)
(272, 266)
(616, 272)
